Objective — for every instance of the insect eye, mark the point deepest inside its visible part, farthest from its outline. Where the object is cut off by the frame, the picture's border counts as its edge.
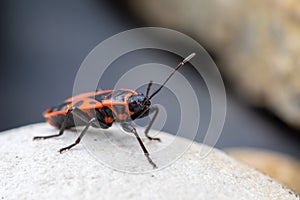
(133, 106)
(133, 102)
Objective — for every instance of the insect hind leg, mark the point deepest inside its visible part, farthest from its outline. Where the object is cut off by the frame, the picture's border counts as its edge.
(88, 122)
(62, 128)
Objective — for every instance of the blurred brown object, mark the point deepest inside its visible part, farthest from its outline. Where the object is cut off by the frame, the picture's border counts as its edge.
(257, 42)
(279, 166)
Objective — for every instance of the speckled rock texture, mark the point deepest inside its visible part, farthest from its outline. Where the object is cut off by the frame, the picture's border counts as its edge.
(35, 170)
(257, 43)
(281, 167)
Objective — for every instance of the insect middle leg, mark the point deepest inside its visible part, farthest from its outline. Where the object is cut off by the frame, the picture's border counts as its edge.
(89, 121)
(77, 141)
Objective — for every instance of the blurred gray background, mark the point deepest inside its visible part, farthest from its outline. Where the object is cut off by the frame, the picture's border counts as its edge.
(44, 42)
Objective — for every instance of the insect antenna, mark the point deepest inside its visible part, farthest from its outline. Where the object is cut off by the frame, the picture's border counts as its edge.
(177, 68)
(148, 88)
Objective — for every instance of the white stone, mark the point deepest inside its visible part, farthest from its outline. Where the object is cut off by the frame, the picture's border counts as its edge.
(35, 170)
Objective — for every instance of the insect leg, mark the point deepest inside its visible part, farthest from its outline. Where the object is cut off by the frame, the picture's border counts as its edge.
(129, 128)
(62, 129)
(80, 136)
(151, 110)
(89, 121)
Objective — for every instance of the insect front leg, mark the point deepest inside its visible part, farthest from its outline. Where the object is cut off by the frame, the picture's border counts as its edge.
(151, 110)
(128, 127)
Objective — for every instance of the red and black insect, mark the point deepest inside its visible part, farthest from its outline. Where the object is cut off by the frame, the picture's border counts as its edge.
(102, 108)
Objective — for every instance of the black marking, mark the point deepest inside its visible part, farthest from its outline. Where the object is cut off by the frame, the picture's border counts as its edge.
(120, 109)
(60, 107)
(100, 97)
(119, 95)
(101, 114)
(79, 103)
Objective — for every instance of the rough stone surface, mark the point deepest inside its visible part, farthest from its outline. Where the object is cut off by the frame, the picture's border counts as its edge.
(281, 167)
(35, 170)
(256, 41)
